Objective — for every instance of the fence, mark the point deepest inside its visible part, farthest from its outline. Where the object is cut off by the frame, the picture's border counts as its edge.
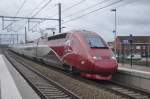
(136, 53)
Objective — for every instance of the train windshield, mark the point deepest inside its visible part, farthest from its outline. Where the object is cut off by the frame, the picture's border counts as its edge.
(96, 42)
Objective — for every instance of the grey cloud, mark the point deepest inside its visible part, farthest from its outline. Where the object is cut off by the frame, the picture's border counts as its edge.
(132, 18)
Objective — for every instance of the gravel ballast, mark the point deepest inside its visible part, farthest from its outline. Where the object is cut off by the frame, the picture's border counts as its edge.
(82, 89)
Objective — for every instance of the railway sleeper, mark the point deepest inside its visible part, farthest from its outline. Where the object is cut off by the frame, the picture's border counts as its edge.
(57, 93)
(141, 97)
(117, 87)
(54, 94)
(57, 97)
(50, 90)
(44, 86)
(128, 92)
(134, 94)
(47, 87)
(124, 90)
(56, 90)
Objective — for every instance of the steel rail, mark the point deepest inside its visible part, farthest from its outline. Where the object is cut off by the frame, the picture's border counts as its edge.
(53, 89)
(127, 92)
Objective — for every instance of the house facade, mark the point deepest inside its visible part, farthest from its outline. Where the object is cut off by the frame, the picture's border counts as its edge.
(140, 45)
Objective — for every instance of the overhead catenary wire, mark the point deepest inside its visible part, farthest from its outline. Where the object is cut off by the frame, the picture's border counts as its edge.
(101, 8)
(31, 13)
(74, 5)
(99, 3)
(87, 8)
(127, 3)
(97, 10)
(76, 17)
(20, 8)
(70, 7)
(35, 8)
(83, 10)
(65, 10)
(45, 5)
(113, 3)
(36, 13)
(18, 11)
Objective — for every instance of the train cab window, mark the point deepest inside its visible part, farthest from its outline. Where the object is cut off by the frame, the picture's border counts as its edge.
(96, 42)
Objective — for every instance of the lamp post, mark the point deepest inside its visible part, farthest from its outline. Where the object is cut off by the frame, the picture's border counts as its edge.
(131, 42)
(115, 30)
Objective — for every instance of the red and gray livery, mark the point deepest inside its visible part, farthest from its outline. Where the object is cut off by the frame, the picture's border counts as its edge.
(78, 51)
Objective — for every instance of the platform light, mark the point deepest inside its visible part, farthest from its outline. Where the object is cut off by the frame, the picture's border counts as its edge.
(115, 30)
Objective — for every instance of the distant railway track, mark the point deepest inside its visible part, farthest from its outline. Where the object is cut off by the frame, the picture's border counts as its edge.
(46, 88)
(125, 92)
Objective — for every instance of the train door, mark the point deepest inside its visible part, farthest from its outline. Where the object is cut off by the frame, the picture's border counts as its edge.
(67, 47)
(35, 48)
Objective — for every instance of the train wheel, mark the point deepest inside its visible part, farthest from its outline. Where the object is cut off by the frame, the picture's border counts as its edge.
(71, 69)
(34, 58)
(66, 67)
(75, 71)
(41, 60)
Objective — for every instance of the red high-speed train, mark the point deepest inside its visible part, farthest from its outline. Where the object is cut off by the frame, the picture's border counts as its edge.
(78, 51)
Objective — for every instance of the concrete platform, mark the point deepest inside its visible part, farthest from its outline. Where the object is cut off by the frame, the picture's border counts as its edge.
(136, 67)
(133, 77)
(13, 85)
(0, 89)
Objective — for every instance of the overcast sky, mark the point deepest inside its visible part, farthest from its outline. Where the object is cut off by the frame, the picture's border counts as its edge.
(133, 16)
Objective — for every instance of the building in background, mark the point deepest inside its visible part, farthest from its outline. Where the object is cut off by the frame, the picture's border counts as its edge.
(140, 45)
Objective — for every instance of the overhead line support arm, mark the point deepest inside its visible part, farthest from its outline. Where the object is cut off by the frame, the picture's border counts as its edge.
(27, 18)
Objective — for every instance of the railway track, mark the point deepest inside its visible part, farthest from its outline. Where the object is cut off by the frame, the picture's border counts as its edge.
(46, 88)
(128, 92)
(125, 92)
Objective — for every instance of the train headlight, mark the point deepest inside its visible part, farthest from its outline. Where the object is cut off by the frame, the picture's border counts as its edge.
(113, 57)
(96, 57)
(82, 62)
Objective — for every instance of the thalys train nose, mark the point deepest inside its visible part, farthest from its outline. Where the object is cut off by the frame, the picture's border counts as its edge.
(102, 70)
(106, 66)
